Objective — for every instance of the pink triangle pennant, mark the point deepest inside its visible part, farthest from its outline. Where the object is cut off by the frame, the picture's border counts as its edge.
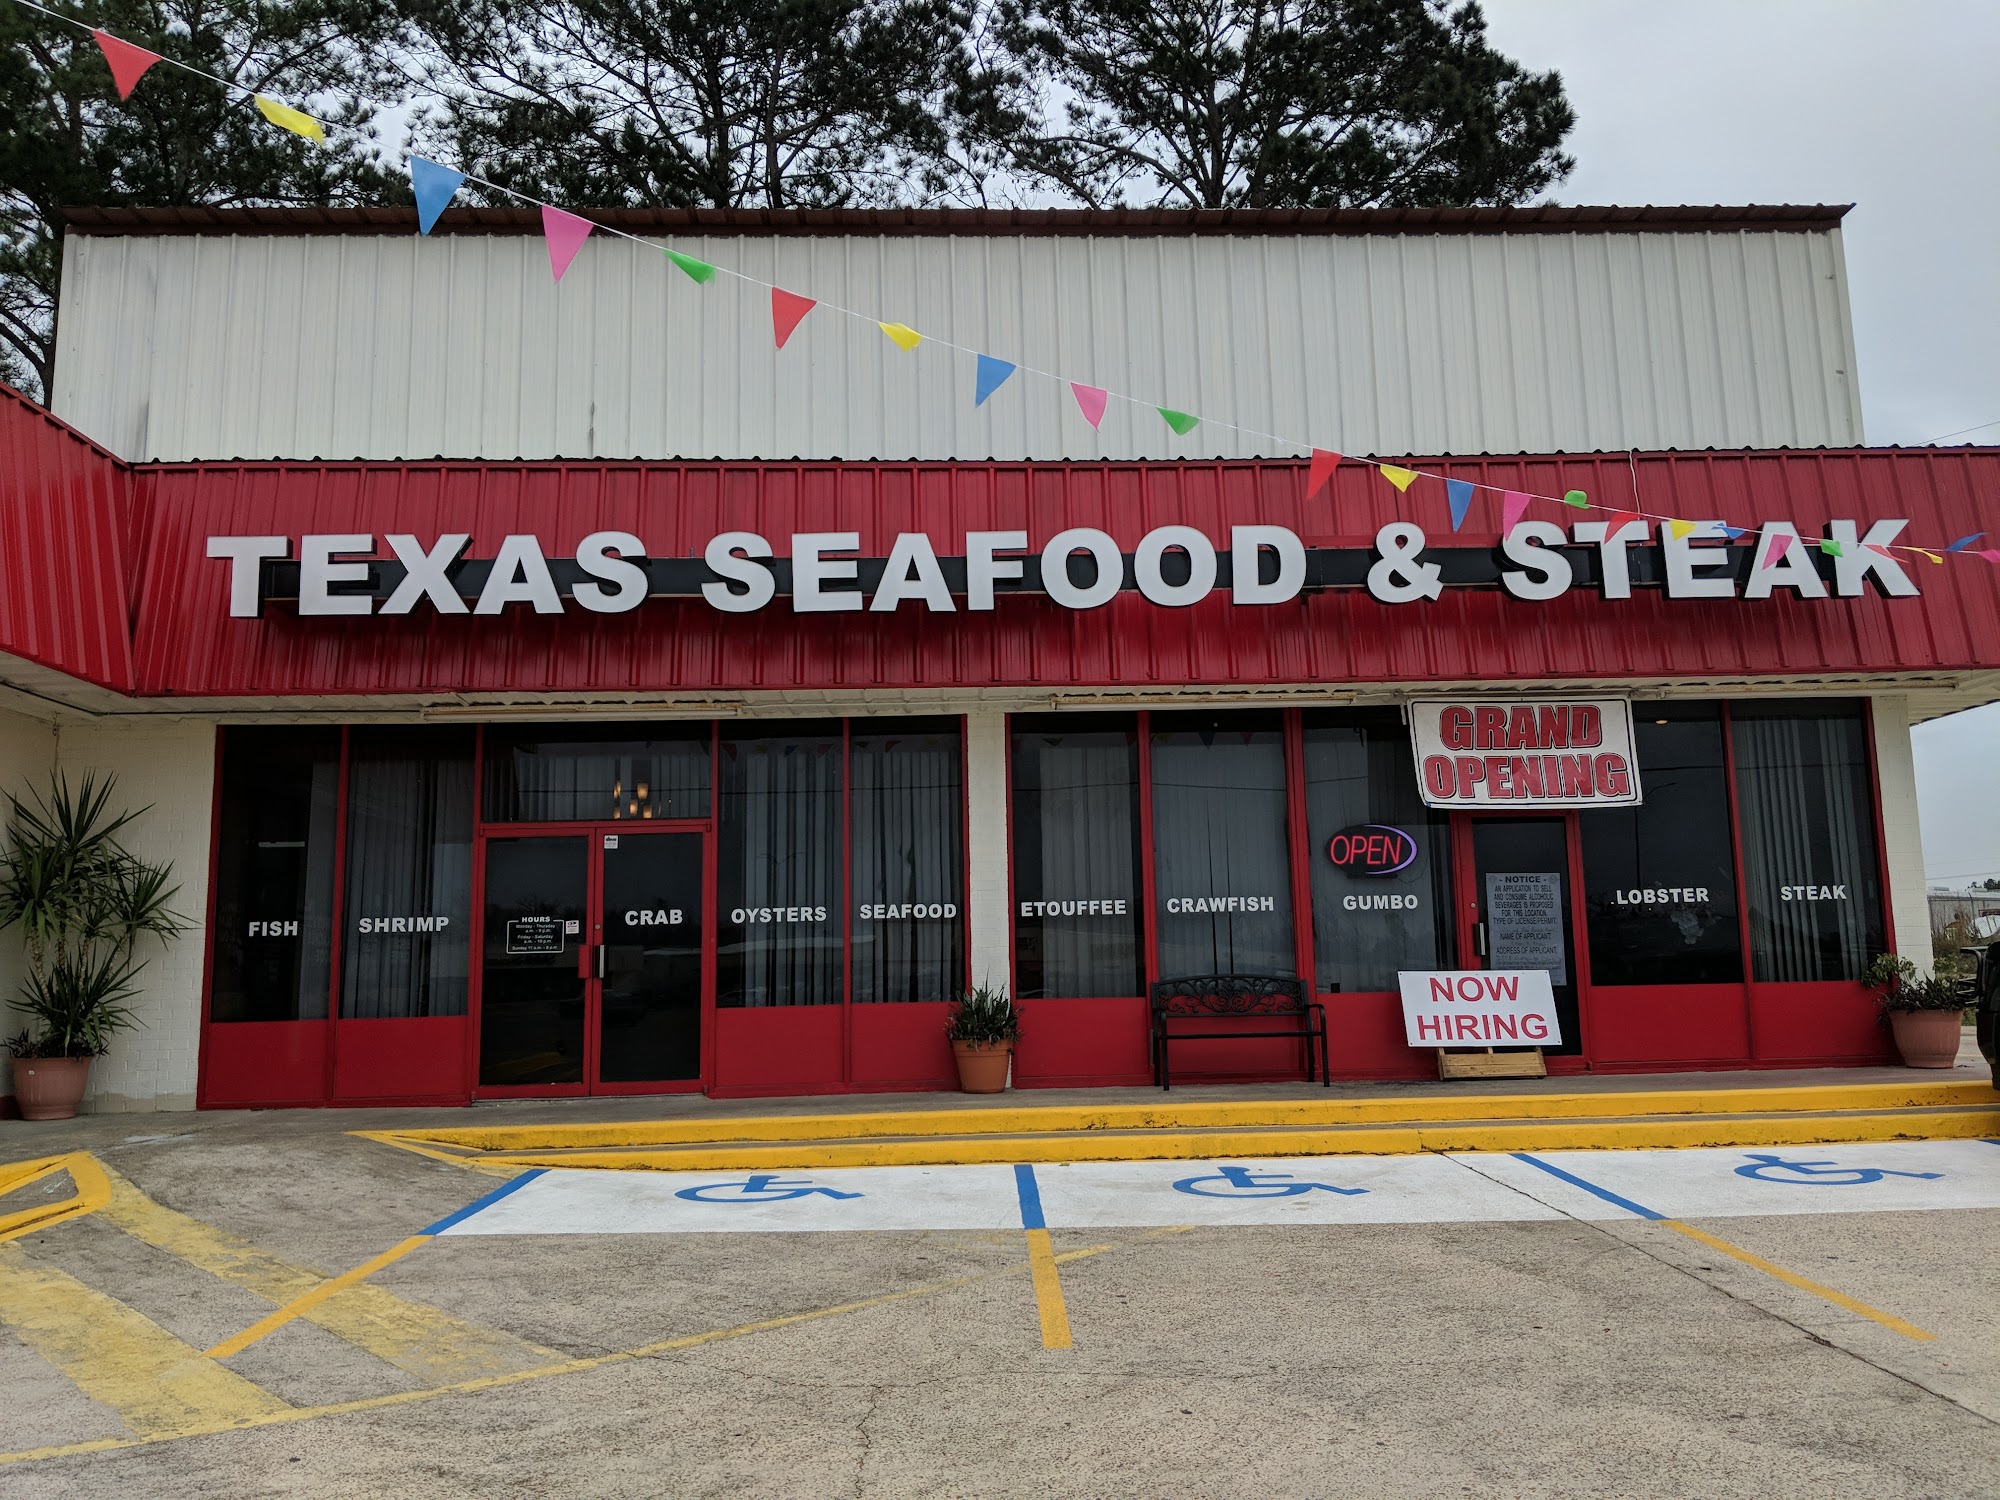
(1090, 401)
(1513, 504)
(1781, 543)
(128, 63)
(788, 310)
(1324, 462)
(565, 234)
(1991, 554)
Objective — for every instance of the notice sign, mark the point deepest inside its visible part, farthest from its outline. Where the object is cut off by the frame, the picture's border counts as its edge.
(1521, 752)
(1524, 924)
(535, 934)
(1479, 1008)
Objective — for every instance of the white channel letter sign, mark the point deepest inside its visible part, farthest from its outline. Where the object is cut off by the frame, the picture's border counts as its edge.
(1173, 567)
(1479, 1008)
(1525, 752)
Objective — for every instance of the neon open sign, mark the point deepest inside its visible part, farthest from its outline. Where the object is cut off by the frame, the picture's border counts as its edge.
(1372, 849)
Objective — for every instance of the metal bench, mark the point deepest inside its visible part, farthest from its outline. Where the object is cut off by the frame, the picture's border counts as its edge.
(1228, 997)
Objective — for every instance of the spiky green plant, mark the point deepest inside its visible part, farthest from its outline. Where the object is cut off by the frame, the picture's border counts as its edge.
(83, 902)
(984, 1014)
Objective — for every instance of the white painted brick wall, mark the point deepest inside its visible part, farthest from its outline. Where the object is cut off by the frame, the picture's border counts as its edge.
(169, 764)
(986, 825)
(1902, 840)
(27, 751)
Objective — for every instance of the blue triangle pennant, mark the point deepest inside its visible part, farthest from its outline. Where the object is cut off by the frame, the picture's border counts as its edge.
(993, 374)
(434, 186)
(1459, 493)
(1965, 541)
(1735, 532)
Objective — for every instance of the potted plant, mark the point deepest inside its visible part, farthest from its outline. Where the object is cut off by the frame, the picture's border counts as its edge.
(983, 1029)
(1926, 1013)
(83, 902)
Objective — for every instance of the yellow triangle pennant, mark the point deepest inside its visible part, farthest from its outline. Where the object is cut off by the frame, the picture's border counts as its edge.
(296, 121)
(1402, 479)
(902, 334)
(1934, 557)
(1681, 529)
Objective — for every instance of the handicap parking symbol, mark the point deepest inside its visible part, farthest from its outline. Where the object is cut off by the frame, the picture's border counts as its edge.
(758, 1187)
(1770, 1168)
(1242, 1182)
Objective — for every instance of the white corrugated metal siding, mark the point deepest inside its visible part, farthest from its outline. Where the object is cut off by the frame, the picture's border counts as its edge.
(373, 346)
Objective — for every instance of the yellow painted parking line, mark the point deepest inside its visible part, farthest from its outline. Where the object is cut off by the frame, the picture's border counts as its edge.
(544, 1372)
(426, 1342)
(1804, 1284)
(92, 1193)
(156, 1383)
(298, 1307)
(1048, 1290)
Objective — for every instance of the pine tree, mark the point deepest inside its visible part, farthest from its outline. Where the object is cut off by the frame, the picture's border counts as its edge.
(1284, 103)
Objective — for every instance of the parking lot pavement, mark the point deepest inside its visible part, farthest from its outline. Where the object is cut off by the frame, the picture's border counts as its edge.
(1807, 1321)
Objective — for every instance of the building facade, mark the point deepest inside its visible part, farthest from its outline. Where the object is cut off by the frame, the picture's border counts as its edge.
(555, 688)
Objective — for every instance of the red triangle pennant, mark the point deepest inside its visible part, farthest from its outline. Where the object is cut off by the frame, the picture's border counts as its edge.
(128, 63)
(1620, 521)
(787, 309)
(1324, 460)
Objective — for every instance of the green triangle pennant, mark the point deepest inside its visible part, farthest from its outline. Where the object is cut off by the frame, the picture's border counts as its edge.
(699, 270)
(1830, 547)
(1180, 421)
(1577, 498)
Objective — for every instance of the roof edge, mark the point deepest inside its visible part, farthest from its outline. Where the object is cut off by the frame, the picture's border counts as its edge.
(1133, 222)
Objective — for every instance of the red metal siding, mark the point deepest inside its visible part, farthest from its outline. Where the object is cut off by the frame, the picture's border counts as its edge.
(188, 644)
(65, 506)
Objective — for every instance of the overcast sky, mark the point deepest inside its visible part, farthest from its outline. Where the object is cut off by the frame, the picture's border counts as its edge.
(1892, 107)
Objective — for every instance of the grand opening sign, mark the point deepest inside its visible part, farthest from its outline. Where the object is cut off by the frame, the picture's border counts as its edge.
(1525, 752)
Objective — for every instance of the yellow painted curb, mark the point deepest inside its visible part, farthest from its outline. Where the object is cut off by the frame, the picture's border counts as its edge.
(1552, 1135)
(1178, 1115)
(93, 1191)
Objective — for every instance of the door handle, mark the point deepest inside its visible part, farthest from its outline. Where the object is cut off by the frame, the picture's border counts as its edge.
(1479, 938)
(603, 966)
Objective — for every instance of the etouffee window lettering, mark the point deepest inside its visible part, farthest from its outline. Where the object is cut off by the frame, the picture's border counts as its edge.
(907, 851)
(780, 897)
(1076, 856)
(272, 940)
(1659, 879)
(1811, 870)
(1221, 852)
(407, 946)
(1368, 928)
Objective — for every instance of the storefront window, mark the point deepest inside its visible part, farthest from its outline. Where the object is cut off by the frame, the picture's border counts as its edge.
(779, 895)
(1076, 856)
(408, 873)
(1659, 879)
(627, 771)
(908, 852)
(1805, 797)
(1221, 859)
(1380, 860)
(273, 932)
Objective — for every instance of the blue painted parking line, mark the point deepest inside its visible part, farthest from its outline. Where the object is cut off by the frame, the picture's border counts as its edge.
(1030, 1193)
(512, 1185)
(1589, 1187)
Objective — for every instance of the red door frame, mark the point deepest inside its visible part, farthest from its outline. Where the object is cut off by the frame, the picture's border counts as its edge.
(593, 835)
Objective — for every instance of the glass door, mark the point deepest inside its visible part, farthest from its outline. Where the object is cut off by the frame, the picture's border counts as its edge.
(650, 957)
(1521, 901)
(533, 988)
(592, 961)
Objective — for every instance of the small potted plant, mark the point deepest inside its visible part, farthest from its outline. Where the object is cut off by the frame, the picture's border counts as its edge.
(83, 902)
(1926, 1013)
(983, 1029)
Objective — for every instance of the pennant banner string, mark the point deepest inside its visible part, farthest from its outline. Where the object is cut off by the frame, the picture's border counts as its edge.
(1091, 398)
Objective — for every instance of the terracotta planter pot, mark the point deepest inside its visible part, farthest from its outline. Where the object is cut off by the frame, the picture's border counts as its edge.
(982, 1066)
(1926, 1038)
(50, 1088)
